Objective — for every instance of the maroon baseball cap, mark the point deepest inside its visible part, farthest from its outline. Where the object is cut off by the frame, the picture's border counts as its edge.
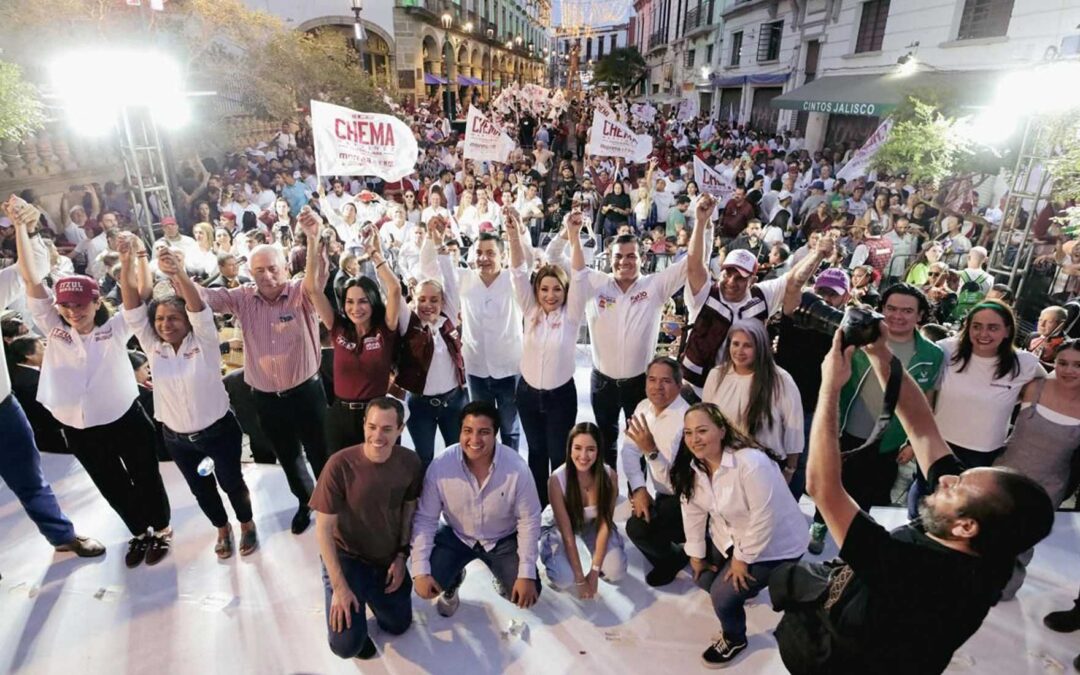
(168, 220)
(77, 290)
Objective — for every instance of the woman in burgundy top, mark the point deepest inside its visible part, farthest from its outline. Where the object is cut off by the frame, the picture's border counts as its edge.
(363, 330)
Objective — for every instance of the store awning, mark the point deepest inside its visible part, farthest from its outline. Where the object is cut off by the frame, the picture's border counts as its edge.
(876, 95)
(433, 79)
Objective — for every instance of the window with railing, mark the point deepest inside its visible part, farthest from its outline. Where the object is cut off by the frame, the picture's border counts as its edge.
(736, 48)
(768, 48)
(985, 18)
(688, 61)
(872, 26)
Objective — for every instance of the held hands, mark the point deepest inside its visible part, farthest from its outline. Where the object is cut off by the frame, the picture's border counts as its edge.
(127, 245)
(171, 262)
(588, 586)
(21, 213)
(342, 605)
(574, 223)
(309, 223)
(524, 593)
(738, 573)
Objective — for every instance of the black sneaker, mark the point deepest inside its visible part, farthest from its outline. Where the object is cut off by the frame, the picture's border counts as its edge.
(1065, 621)
(136, 551)
(367, 651)
(159, 547)
(661, 576)
(301, 520)
(721, 653)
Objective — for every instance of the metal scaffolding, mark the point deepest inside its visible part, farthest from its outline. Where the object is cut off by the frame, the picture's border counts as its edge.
(144, 164)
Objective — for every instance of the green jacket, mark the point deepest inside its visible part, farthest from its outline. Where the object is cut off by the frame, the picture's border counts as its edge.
(924, 367)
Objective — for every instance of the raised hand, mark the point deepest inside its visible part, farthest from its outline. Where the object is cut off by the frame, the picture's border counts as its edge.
(705, 208)
(171, 262)
(437, 230)
(309, 222)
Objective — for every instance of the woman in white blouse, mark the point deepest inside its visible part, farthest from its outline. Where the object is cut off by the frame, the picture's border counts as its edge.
(189, 394)
(89, 387)
(734, 493)
(985, 377)
(553, 308)
(759, 397)
(203, 260)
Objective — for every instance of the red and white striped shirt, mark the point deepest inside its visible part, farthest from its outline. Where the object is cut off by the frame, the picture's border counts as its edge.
(281, 337)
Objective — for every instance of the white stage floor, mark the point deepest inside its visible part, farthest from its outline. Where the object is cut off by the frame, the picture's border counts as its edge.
(264, 614)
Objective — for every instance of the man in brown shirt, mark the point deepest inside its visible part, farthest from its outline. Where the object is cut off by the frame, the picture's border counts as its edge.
(736, 214)
(364, 501)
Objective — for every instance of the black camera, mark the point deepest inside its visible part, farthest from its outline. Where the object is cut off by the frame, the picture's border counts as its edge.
(859, 326)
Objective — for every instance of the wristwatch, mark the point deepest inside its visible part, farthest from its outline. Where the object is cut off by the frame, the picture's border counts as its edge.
(652, 455)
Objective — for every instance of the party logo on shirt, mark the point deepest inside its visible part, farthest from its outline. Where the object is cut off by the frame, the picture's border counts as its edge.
(345, 344)
(638, 297)
(193, 353)
(60, 334)
(604, 301)
(103, 335)
(372, 343)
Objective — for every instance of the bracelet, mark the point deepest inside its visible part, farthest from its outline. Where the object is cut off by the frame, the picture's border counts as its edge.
(579, 583)
(380, 264)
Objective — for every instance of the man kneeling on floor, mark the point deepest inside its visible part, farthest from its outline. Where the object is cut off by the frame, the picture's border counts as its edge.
(365, 500)
(486, 494)
(901, 601)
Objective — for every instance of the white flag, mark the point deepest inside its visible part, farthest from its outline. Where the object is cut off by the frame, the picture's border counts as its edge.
(689, 108)
(352, 143)
(859, 164)
(711, 181)
(610, 138)
(484, 141)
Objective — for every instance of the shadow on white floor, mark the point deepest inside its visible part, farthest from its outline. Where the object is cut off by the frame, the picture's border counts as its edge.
(265, 614)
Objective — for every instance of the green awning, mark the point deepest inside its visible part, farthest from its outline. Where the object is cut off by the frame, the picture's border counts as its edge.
(876, 95)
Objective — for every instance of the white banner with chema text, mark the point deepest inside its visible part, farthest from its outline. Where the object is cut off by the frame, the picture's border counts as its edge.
(610, 138)
(485, 142)
(711, 181)
(353, 143)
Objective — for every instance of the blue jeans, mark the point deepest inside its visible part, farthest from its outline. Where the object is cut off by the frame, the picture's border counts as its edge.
(428, 413)
(547, 415)
(20, 468)
(798, 480)
(221, 441)
(728, 603)
(393, 611)
(969, 458)
(450, 556)
(499, 391)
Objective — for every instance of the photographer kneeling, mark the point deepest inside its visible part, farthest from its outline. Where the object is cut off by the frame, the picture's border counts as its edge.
(901, 601)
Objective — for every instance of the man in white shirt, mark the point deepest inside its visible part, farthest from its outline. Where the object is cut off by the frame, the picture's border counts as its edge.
(486, 495)
(623, 313)
(20, 462)
(90, 249)
(172, 238)
(653, 436)
(491, 329)
(337, 197)
(531, 209)
(284, 140)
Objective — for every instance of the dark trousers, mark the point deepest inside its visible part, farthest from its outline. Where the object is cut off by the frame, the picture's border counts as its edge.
(393, 611)
(729, 602)
(119, 457)
(867, 475)
(499, 391)
(293, 419)
(242, 401)
(608, 397)
(547, 416)
(430, 413)
(20, 469)
(221, 442)
(969, 458)
(344, 426)
(450, 556)
(659, 539)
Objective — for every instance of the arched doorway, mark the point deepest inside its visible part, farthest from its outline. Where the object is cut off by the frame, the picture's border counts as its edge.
(431, 66)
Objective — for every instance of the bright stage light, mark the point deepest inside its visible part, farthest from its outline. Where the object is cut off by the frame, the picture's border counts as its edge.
(1049, 88)
(991, 126)
(143, 78)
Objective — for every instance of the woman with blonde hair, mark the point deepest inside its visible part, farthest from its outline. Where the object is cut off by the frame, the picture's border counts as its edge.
(202, 261)
(553, 310)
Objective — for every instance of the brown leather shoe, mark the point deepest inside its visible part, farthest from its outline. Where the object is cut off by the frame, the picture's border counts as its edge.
(249, 541)
(224, 546)
(84, 547)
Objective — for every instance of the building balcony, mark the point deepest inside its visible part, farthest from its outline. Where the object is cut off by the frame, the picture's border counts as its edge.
(658, 40)
(697, 21)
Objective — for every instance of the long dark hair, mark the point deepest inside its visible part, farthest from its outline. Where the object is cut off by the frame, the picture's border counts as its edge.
(682, 474)
(1008, 364)
(764, 383)
(374, 297)
(605, 490)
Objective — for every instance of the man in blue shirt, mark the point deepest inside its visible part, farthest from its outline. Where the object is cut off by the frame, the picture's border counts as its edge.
(294, 192)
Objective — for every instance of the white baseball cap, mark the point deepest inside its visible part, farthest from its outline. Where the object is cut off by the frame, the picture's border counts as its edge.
(741, 260)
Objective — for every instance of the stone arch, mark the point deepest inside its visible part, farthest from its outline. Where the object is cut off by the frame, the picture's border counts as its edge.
(383, 64)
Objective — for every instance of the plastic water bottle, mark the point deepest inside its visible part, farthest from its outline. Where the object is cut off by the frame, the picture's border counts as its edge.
(206, 467)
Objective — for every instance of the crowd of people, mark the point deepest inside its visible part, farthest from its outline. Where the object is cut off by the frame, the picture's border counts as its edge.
(323, 316)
